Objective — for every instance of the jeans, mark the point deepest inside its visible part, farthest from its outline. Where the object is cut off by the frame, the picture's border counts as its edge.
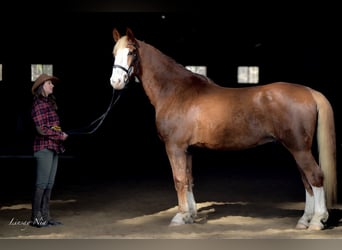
(47, 162)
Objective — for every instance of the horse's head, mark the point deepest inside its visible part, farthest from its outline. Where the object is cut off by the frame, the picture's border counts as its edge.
(125, 56)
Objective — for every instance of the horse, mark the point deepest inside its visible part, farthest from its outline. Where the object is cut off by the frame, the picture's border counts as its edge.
(193, 111)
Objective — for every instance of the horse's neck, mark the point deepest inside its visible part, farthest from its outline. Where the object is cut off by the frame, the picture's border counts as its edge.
(159, 74)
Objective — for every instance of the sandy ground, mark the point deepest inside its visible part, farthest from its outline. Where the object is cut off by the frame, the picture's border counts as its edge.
(231, 206)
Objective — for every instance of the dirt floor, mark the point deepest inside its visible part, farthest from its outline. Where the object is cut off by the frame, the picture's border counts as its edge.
(231, 205)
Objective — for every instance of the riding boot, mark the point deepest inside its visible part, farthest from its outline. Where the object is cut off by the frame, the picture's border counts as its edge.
(37, 219)
(46, 208)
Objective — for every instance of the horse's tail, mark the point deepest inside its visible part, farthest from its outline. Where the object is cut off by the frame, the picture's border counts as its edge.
(326, 141)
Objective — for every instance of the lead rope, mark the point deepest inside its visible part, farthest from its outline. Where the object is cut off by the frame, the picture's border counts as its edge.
(100, 119)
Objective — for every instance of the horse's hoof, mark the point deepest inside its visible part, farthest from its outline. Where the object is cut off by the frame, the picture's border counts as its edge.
(174, 224)
(177, 220)
(316, 227)
(303, 222)
(301, 226)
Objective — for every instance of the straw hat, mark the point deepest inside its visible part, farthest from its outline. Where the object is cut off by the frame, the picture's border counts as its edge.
(41, 79)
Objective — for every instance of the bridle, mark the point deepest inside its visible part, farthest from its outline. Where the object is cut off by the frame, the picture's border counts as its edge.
(130, 71)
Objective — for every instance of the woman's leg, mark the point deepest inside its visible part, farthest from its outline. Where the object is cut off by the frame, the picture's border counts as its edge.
(48, 190)
(44, 158)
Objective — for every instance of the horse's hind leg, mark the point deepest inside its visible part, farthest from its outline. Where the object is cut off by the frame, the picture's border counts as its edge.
(321, 213)
(315, 213)
(304, 221)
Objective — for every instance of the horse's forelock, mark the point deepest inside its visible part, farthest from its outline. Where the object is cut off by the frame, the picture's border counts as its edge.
(121, 43)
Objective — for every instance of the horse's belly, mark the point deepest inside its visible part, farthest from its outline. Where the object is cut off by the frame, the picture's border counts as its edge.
(235, 139)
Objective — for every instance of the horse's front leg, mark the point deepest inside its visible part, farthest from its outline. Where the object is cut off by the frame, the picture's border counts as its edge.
(190, 194)
(182, 176)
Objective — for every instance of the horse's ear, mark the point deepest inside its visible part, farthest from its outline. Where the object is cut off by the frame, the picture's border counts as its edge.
(129, 34)
(116, 35)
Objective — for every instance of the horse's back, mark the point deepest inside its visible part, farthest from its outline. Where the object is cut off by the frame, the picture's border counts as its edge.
(268, 99)
(288, 96)
(237, 118)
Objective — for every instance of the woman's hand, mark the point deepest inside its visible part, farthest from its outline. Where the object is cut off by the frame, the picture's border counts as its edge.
(65, 136)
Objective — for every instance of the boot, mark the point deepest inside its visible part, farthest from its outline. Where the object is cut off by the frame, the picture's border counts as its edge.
(36, 218)
(45, 208)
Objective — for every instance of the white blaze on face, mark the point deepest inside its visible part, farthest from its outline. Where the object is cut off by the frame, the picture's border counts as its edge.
(119, 76)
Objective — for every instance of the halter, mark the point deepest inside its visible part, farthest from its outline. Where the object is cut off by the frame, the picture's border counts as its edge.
(130, 70)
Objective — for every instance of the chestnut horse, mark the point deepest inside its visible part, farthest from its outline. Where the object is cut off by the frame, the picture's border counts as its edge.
(192, 111)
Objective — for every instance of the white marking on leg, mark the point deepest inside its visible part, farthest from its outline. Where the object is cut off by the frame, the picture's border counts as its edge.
(321, 213)
(177, 220)
(320, 204)
(304, 221)
(192, 204)
(181, 219)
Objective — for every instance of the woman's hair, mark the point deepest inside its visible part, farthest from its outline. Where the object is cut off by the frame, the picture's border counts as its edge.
(39, 92)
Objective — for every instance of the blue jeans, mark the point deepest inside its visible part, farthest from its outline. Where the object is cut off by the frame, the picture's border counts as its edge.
(47, 162)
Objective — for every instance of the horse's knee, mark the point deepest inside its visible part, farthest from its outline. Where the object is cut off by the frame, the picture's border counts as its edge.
(180, 184)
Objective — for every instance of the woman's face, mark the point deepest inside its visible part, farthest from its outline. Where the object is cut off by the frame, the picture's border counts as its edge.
(48, 87)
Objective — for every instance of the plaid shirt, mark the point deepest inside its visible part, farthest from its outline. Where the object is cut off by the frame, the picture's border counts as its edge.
(46, 119)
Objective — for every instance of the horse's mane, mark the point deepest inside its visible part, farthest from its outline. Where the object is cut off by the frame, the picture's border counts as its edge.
(195, 77)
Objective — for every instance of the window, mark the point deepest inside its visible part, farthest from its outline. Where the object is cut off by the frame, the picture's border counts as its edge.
(38, 69)
(0, 72)
(198, 69)
(248, 74)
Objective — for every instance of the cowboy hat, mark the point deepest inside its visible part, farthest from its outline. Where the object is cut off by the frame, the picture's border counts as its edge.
(41, 79)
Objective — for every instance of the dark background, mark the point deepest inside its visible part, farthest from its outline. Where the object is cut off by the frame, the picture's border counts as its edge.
(299, 44)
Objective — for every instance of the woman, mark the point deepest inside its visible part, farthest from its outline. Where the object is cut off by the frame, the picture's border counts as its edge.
(48, 144)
